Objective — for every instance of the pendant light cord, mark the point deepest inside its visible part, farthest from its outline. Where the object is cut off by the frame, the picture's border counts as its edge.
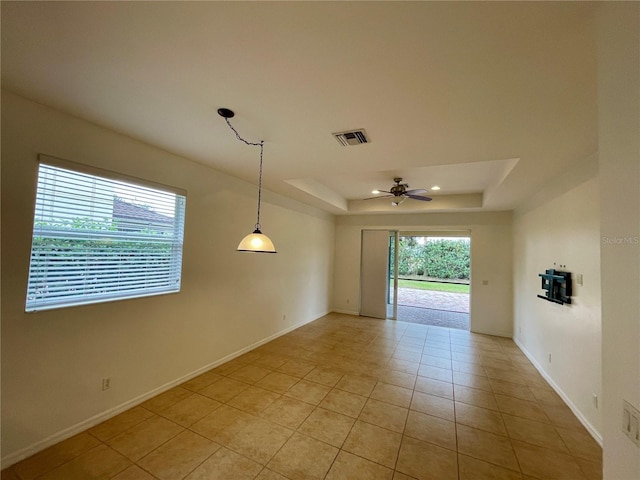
(261, 145)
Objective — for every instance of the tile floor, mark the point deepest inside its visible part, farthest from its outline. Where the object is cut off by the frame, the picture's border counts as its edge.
(342, 398)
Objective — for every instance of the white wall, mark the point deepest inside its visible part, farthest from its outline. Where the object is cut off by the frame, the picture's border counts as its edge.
(53, 361)
(562, 229)
(491, 260)
(619, 164)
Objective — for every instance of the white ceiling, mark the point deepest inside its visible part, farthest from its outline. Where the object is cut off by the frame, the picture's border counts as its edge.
(487, 100)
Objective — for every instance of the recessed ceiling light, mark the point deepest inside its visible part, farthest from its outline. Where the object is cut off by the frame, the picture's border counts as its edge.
(375, 192)
(435, 187)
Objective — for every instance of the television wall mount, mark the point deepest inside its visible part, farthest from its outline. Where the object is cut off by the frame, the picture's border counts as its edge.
(557, 286)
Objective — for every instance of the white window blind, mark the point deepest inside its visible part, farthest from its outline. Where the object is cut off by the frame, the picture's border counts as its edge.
(97, 239)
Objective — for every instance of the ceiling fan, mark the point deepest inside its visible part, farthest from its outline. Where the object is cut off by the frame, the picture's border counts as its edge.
(400, 193)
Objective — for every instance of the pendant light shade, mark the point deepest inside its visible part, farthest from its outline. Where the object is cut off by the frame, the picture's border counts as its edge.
(257, 241)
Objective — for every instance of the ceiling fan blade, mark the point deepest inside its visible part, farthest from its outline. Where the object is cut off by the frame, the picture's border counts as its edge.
(419, 197)
(416, 191)
(378, 196)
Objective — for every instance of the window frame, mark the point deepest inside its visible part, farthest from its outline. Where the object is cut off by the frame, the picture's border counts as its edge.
(175, 241)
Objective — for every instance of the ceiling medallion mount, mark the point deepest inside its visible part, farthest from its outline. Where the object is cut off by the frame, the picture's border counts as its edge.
(226, 113)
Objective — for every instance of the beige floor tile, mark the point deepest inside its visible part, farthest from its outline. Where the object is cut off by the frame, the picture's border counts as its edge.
(433, 405)
(436, 373)
(561, 416)
(134, 473)
(373, 443)
(486, 446)
(188, 411)
(392, 394)
(547, 395)
(179, 456)
(414, 355)
(435, 361)
(250, 374)
(437, 352)
(296, 368)
(507, 376)
(287, 412)
(512, 390)
(118, 424)
(352, 467)
(384, 415)
(222, 424)
(228, 367)
(267, 474)
(472, 396)
(581, 444)
(481, 418)
(277, 382)
(545, 463)
(270, 361)
(431, 429)
(343, 402)
(303, 458)
(253, 400)
(403, 366)
(201, 381)
(473, 381)
(401, 476)
(536, 433)
(327, 426)
(308, 392)
(10, 474)
(224, 389)
(474, 469)
(166, 399)
(434, 387)
(521, 408)
(55, 456)
(467, 358)
(396, 377)
(464, 367)
(259, 440)
(324, 376)
(592, 470)
(138, 441)
(226, 465)
(358, 384)
(99, 462)
(426, 461)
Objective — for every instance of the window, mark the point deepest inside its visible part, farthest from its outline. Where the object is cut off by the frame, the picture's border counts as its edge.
(98, 238)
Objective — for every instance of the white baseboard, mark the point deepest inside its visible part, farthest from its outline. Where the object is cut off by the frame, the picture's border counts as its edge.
(346, 312)
(590, 428)
(57, 437)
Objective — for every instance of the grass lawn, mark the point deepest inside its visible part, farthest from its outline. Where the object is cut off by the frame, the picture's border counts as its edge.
(439, 287)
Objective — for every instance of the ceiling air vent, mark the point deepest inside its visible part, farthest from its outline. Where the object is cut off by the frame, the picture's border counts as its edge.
(352, 137)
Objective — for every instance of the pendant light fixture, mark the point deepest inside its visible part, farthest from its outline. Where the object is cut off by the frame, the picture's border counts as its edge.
(257, 241)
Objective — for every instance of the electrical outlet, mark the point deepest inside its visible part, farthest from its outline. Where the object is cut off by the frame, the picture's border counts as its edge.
(595, 400)
(549, 357)
(348, 301)
(284, 317)
(106, 383)
(631, 422)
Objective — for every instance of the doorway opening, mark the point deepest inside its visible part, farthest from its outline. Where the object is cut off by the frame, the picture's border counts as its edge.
(429, 279)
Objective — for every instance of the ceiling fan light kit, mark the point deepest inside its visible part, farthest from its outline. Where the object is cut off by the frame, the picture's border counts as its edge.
(256, 242)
